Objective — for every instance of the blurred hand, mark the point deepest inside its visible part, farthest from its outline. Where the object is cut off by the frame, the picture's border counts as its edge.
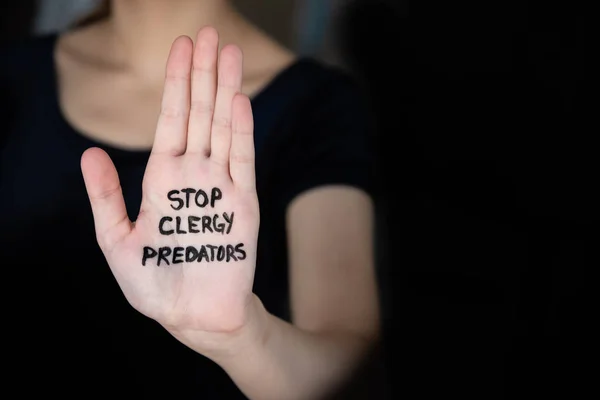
(188, 260)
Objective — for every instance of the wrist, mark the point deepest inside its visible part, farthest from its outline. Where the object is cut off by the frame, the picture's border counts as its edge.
(250, 338)
(225, 347)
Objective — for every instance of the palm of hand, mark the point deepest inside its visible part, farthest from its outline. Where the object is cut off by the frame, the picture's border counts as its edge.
(188, 260)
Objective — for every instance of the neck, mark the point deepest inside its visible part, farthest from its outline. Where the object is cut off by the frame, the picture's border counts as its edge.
(143, 30)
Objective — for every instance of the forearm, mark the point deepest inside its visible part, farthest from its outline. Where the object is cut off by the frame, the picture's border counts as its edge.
(276, 360)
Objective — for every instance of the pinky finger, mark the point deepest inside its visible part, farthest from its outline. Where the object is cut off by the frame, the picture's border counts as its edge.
(241, 155)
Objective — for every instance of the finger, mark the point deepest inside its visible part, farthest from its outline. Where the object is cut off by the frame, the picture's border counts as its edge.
(204, 89)
(229, 83)
(106, 198)
(171, 130)
(241, 159)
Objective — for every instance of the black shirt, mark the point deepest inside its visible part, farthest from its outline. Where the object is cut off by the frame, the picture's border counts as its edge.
(70, 329)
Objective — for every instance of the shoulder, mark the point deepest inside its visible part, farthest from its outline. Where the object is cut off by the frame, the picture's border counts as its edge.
(311, 92)
(325, 135)
(338, 93)
(290, 79)
(329, 102)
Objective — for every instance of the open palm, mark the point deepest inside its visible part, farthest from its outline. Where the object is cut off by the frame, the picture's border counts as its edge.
(188, 259)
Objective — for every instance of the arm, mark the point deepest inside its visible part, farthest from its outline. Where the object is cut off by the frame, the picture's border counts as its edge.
(334, 303)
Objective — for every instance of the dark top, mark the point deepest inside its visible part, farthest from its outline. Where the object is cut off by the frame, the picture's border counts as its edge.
(67, 325)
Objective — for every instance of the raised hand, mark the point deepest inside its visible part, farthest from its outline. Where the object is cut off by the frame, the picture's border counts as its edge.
(188, 259)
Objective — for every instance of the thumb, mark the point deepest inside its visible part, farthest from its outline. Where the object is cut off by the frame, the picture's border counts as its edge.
(104, 191)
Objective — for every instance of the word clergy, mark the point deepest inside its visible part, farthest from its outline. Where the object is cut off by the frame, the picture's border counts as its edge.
(195, 224)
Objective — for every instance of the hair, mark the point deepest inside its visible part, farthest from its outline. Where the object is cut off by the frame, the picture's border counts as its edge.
(101, 12)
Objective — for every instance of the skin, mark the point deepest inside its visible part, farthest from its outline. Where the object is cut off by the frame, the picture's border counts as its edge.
(196, 115)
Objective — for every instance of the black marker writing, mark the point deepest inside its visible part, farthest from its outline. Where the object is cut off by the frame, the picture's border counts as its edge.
(183, 198)
(215, 223)
(203, 253)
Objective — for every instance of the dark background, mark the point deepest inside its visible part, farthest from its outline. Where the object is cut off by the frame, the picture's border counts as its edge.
(489, 191)
(487, 196)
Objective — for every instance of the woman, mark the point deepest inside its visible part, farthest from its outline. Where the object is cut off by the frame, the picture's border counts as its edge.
(284, 314)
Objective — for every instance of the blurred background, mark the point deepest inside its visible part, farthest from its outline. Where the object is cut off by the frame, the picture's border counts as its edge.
(488, 207)
(307, 26)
